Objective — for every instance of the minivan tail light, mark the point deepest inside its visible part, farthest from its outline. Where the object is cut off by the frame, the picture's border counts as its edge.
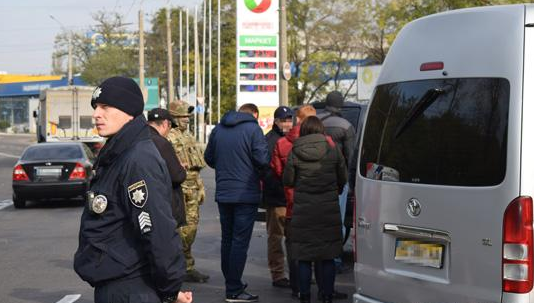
(428, 66)
(19, 174)
(78, 173)
(517, 249)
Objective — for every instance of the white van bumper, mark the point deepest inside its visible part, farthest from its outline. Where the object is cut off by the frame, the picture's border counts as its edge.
(506, 298)
(515, 298)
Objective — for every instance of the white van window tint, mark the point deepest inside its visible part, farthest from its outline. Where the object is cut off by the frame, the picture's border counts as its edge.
(448, 132)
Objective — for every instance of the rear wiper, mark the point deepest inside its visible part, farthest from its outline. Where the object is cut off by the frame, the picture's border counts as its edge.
(426, 100)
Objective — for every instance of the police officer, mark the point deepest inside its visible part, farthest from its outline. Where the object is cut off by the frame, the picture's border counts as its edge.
(191, 157)
(128, 248)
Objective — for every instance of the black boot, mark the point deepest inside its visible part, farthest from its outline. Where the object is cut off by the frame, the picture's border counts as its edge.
(305, 298)
(327, 299)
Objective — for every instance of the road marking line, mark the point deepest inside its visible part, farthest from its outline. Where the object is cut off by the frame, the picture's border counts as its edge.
(9, 155)
(5, 204)
(69, 298)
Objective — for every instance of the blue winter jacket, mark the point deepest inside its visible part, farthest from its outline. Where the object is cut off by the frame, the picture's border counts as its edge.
(237, 150)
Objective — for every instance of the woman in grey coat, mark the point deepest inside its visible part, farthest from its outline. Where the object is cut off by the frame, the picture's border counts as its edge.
(317, 171)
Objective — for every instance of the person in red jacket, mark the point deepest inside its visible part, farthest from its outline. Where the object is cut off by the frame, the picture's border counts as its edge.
(281, 151)
(279, 157)
(283, 148)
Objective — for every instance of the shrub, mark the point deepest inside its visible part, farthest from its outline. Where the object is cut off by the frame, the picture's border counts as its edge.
(4, 124)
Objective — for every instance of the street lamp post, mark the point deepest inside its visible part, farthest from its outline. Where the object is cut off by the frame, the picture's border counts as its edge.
(69, 77)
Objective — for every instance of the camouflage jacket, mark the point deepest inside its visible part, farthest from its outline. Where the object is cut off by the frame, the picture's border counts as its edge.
(190, 154)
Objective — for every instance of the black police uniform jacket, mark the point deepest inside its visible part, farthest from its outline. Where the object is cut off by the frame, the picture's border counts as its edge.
(135, 235)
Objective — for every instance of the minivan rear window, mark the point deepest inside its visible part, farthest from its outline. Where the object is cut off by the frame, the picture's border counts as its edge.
(446, 132)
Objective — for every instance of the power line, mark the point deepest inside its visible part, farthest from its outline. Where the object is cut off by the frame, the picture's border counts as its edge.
(26, 44)
(39, 28)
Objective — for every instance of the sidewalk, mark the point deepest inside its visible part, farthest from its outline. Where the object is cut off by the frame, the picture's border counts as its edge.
(206, 251)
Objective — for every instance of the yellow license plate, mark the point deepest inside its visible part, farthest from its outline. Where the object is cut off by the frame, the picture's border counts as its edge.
(419, 253)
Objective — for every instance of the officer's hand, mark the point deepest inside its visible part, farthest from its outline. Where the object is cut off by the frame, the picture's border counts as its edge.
(184, 297)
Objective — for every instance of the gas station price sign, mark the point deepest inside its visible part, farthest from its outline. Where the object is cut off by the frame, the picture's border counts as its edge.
(257, 77)
(257, 54)
(258, 68)
(258, 88)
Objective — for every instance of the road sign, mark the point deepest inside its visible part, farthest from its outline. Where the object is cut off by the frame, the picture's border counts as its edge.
(151, 86)
(286, 72)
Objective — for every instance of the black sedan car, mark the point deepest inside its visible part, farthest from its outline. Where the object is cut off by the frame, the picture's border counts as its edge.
(52, 170)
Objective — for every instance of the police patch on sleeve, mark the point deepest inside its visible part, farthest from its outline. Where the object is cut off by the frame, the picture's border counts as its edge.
(138, 193)
(145, 224)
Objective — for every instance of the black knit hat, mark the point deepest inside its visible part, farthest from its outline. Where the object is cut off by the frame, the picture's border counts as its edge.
(157, 114)
(334, 99)
(122, 93)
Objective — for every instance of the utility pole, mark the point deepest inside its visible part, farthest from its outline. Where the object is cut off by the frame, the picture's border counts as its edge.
(199, 85)
(142, 55)
(209, 67)
(203, 72)
(187, 54)
(69, 75)
(283, 54)
(170, 85)
(195, 75)
(180, 89)
(218, 61)
(202, 97)
(69, 33)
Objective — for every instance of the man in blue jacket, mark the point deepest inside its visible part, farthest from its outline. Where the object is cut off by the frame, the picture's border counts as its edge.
(237, 150)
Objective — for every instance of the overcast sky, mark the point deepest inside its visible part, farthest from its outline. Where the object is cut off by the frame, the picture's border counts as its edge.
(27, 32)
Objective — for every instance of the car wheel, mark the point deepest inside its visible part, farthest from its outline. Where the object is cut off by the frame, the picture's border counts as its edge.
(19, 203)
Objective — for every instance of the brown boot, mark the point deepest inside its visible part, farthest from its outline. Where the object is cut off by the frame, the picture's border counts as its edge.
(193, 276)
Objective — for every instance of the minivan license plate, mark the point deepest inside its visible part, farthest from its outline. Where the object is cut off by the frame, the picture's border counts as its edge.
(419, 253)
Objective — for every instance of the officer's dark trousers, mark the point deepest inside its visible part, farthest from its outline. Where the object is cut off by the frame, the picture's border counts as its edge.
(134, 290)
(237, 222)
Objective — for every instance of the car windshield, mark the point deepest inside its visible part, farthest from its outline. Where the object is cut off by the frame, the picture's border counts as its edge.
(52, 152)
(447, 132)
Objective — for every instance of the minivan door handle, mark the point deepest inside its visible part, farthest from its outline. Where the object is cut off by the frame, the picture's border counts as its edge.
(416, 232)
(363, 224)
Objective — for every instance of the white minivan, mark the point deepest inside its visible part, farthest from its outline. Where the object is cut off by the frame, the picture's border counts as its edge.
(446, 169)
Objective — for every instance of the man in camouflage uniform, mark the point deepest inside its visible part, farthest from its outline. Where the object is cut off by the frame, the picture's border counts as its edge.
(191, 157)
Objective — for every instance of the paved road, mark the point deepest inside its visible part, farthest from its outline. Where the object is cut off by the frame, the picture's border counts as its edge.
(11, 146)
(37, 245)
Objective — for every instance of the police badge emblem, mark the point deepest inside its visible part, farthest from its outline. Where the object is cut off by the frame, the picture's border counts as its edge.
(96, 93)
(138, 193)
(96, 204)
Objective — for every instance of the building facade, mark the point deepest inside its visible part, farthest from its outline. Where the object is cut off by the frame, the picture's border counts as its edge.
(19, 97)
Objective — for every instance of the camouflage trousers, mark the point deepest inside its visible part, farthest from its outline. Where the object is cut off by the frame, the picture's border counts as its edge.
(188, 232)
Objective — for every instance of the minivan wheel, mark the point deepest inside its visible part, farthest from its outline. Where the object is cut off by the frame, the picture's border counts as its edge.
(19, 203)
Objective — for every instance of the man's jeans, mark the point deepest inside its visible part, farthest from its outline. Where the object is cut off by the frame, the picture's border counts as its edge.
(237, 223)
